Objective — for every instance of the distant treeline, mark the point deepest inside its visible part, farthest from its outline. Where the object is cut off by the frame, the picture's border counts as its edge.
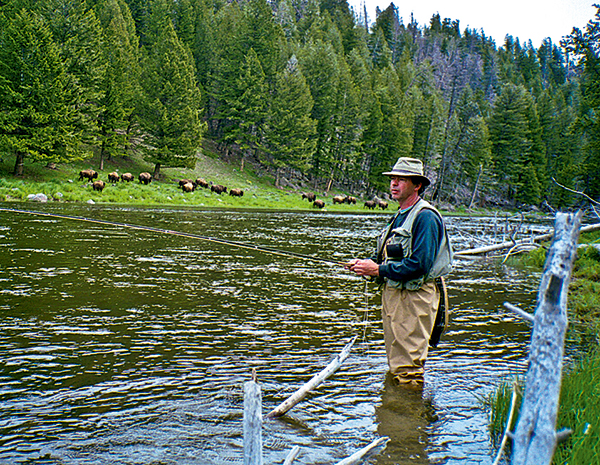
(304, 89)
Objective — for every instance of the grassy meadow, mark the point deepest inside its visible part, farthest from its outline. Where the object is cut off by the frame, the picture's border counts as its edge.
(61, 183)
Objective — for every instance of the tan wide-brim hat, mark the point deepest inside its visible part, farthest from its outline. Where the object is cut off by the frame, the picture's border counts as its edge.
(409, 167)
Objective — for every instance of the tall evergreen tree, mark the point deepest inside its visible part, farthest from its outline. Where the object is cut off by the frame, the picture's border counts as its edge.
(396, 126)
(76, 29)
(319, 65)
(584, 46)
(512, 144)
(169, 111)
(230, 29)
(37, 118)
(121, 77)
(248, 112)
(291, 130)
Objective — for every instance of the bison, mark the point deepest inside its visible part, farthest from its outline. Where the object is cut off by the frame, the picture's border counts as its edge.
(382, 204)
(183, 182)
(126, 177)
(188, 187)
(310, 196)
(113, 177)
(88, 174)
(370, 204)
(349, 200)
(318, 203)
(236, 192)
(145, 178)
(202, 183)
(218, 188)
(338, 199)
(98, 185)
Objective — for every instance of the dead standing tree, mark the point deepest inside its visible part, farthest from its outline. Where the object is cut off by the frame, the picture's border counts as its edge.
(535, 438)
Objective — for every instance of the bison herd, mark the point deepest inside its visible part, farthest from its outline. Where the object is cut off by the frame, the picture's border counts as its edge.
(343, 199)
(186, 185)
(189, 185)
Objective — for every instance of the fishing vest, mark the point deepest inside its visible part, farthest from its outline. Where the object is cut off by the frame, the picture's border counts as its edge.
(402, 235)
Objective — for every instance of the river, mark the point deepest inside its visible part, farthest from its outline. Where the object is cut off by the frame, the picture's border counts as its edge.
(132, 347)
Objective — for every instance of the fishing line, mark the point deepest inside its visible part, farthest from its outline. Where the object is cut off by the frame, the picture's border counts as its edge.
(366, 317)
(241, 245)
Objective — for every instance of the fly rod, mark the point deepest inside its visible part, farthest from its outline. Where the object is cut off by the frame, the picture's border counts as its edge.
(241, 245)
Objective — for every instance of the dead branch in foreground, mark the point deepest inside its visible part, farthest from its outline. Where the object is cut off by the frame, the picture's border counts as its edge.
(535, 438)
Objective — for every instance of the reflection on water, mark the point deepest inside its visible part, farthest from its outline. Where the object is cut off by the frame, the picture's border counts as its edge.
(126, 346)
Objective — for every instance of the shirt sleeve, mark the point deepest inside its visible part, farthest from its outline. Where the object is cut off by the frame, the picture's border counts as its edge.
(427, 234)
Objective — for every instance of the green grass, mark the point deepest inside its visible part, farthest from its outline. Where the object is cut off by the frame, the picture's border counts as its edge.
(579, 411)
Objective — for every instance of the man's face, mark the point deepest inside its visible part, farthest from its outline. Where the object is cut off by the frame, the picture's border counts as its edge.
(401, 187)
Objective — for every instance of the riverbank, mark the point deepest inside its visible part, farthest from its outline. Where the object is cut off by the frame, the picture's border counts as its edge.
(579, 408)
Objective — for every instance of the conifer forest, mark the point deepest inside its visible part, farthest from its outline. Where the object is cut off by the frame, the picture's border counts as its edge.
(305, 90)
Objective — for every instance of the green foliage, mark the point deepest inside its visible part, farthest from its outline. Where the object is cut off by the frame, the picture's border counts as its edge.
(291, 129)
(38, 119)
(498, 402)
(584, 46)
(120, 81)
(169, 109)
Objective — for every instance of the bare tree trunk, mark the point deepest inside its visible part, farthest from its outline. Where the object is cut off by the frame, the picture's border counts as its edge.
(156, 174)
(535, 438)
(475, 188)
(19, 164)
(102, 151)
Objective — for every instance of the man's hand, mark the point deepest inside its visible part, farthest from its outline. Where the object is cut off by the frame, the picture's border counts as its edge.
(363, 267)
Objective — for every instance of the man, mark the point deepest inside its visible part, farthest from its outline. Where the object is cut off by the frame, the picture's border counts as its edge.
(412, 251)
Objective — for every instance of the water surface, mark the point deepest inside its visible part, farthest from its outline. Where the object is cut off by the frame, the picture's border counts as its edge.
(132, 347)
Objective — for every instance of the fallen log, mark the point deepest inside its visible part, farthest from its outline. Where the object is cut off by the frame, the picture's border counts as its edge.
(535, 438)
(509, 244)
(301, 393)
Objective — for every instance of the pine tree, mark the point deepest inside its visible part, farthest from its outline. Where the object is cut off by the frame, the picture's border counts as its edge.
(169, 110)
(230, 28)
(37, 118)
(319, 65)
(76, 29)
(247, 113)
(509, 127)
(583, 45)
(121, 77)
(291, 130)
(396, 127)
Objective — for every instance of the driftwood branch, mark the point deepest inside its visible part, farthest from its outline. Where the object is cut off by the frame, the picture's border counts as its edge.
(301, 393)
(505, 245)
(359, 456)
(535, 438)
(252, 423)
